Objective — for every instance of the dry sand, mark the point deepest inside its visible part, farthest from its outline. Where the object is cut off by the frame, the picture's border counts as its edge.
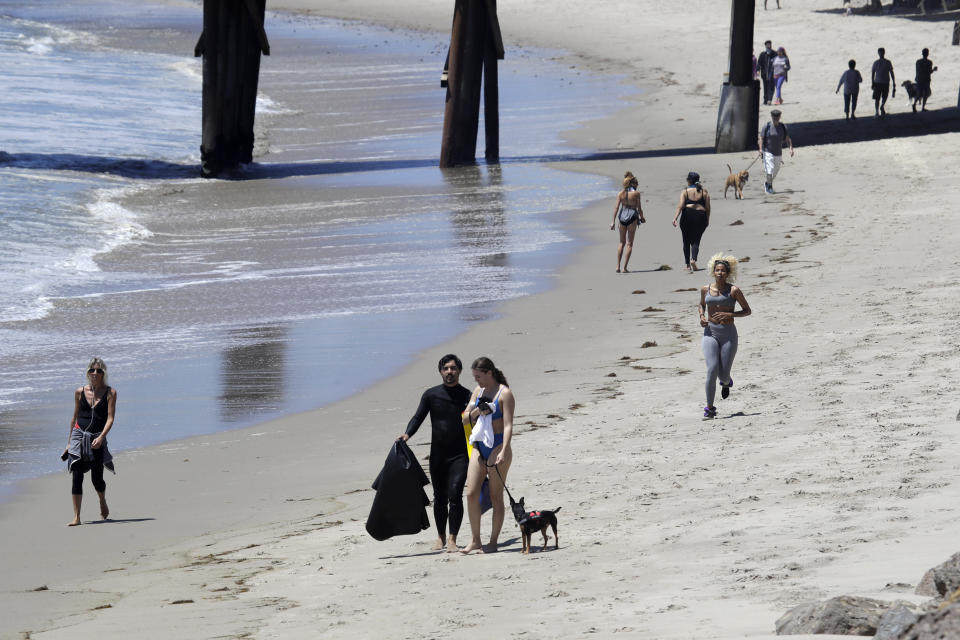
(830, 470)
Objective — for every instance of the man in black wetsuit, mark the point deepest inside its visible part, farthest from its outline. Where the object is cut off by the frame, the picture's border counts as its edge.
(448, 447)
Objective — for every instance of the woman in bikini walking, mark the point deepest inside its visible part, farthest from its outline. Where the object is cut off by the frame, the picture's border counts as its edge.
(491, 459)
(627, 213)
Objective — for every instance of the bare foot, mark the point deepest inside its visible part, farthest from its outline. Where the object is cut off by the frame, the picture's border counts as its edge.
(625, 270)
(618, 269)
(491, 547)
(437, 545)
(452, 545)
(104, 510)
(74, 522)
(473, 546)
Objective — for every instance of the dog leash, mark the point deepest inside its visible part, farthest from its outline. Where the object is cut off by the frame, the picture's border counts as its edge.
(754, 162)
(502, 481)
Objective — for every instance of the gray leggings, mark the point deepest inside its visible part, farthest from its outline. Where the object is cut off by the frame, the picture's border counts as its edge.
(719, 349)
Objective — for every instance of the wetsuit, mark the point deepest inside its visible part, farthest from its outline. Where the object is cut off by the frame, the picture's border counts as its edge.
(448, 451)
(91, 419)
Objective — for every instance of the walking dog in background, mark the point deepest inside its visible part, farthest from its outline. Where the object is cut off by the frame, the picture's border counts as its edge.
(737, 181)
(914, 93)
(532, 521)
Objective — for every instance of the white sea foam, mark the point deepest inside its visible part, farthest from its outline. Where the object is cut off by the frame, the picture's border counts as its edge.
(43, 38)
(191, 68)
(266, 105)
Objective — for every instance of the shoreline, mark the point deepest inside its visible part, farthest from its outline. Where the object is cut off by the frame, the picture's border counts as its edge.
(183, 374)
(728, 522)
(33, 496)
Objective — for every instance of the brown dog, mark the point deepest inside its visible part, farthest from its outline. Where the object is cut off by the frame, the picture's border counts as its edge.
(737, 181)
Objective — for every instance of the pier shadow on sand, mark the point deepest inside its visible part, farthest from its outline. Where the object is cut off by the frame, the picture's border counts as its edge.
(815, 132)
(278, 170)
(136, 168)
(868, 127)
(934, 14)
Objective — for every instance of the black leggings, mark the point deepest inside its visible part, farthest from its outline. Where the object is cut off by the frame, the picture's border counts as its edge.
(692, 225)
(448, 475)
(96, 473)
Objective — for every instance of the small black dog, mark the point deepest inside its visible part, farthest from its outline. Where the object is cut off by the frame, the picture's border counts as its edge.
(532, 521)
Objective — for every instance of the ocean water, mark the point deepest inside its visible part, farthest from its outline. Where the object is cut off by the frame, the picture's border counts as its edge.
(220, 303)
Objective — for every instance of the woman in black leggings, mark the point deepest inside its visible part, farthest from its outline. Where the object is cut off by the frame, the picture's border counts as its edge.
(694, 215)
(94, 405)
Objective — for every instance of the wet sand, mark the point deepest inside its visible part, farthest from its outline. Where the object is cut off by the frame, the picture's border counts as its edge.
(829, 470)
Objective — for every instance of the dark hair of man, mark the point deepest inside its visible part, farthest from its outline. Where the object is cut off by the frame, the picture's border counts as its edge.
(881, 51)
(925, 52)
(852, 64)
(447, 358)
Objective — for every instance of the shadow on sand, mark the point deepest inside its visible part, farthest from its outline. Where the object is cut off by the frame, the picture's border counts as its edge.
(868, 127)
(934, 14)
(817, 132)
(138, 168)
(117, 521)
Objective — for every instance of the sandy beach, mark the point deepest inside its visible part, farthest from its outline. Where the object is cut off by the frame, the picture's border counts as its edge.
(830, 470)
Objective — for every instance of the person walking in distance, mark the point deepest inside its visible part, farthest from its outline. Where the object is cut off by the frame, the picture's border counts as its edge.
(850, 81)
(925, 70)
(628, 213)
(781, 65)
(881, 79)
(448, 448)
(765, 68)
(693, 218)
(770, 143)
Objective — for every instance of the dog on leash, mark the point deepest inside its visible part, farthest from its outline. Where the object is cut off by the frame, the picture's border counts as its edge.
(737, 181)
(532, 521)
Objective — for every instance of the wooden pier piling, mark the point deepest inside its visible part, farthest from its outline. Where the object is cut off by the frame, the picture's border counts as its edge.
(475, 47)
(738, 116)
(232, 41)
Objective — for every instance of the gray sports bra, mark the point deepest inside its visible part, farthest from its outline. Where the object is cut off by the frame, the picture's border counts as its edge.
(724, 300)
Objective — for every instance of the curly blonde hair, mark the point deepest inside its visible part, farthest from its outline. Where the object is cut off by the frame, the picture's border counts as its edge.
(730, 261)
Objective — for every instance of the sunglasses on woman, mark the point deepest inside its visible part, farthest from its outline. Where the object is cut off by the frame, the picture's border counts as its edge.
(98, 371)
